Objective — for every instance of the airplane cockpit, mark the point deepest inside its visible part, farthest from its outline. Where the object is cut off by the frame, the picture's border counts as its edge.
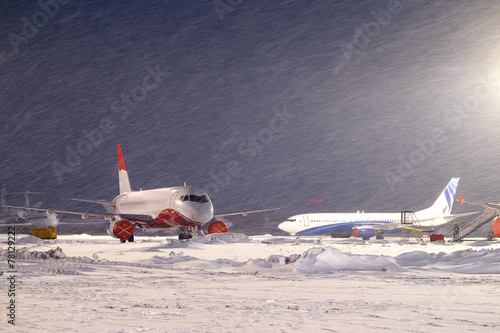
(194, 203)
(195, 198)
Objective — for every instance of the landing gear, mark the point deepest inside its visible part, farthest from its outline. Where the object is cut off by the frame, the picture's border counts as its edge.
(188, 232)
(130, 239)
(184, 236)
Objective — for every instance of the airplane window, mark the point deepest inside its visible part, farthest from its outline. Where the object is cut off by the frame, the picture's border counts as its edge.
(198, 198)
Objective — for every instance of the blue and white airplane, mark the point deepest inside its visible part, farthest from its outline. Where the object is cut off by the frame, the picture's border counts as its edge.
(366, 225)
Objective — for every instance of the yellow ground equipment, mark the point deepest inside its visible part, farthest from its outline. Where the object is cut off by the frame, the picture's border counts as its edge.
(48, 233)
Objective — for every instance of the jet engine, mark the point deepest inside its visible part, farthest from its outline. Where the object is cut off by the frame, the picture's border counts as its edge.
(122, 229)
(217, 227)
(364, 233)
(495, 227)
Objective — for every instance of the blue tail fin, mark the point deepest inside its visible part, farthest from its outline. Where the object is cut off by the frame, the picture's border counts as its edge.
(442, 206)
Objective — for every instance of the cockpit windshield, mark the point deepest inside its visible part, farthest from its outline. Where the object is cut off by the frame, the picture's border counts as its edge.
(195, 198)
(292, 220)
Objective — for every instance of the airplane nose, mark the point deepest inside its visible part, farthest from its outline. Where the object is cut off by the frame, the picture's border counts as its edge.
(201, 214)
(205, 215)
(283, 226)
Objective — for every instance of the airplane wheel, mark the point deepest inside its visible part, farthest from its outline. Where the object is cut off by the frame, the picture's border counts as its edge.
(131, 238)
(184, 236)
(123, 240)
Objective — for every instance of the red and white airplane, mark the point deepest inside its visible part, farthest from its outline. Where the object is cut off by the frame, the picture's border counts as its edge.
(180, 207)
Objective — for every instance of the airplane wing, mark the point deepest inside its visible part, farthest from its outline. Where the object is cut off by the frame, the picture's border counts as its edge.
(59, 223)
(14, 224)
(220, 216)
(131, 217)
(137, 218)
(492, 205)
(108, 206)
(102, 202)
(83, 214)
(454, 216)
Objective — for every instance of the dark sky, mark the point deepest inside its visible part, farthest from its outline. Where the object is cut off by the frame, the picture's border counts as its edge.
(369, 106)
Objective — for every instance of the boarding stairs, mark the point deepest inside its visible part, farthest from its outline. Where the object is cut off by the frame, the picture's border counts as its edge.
(409, 225)
(467, 228)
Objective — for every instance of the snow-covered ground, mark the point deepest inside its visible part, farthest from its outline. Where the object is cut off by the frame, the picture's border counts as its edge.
(235, 283)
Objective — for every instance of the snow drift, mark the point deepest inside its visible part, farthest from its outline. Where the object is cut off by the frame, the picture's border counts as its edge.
(25, 254)
(329, 260)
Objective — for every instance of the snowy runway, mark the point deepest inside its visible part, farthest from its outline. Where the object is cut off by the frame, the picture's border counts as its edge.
(235, 283)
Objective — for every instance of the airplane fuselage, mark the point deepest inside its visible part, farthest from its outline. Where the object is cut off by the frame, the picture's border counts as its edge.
(341, 224)
(167, 208)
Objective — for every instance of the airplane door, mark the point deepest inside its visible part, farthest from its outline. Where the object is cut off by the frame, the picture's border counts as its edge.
(306, 220)
(172, 201)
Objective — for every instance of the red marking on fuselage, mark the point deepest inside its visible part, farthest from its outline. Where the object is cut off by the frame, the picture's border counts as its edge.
(169, 218)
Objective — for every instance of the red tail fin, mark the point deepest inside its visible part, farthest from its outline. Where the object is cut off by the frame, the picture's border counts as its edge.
(122, 173)
(461, 199)
(121, 160)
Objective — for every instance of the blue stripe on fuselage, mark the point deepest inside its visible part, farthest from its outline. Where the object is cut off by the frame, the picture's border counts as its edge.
(343, 229)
